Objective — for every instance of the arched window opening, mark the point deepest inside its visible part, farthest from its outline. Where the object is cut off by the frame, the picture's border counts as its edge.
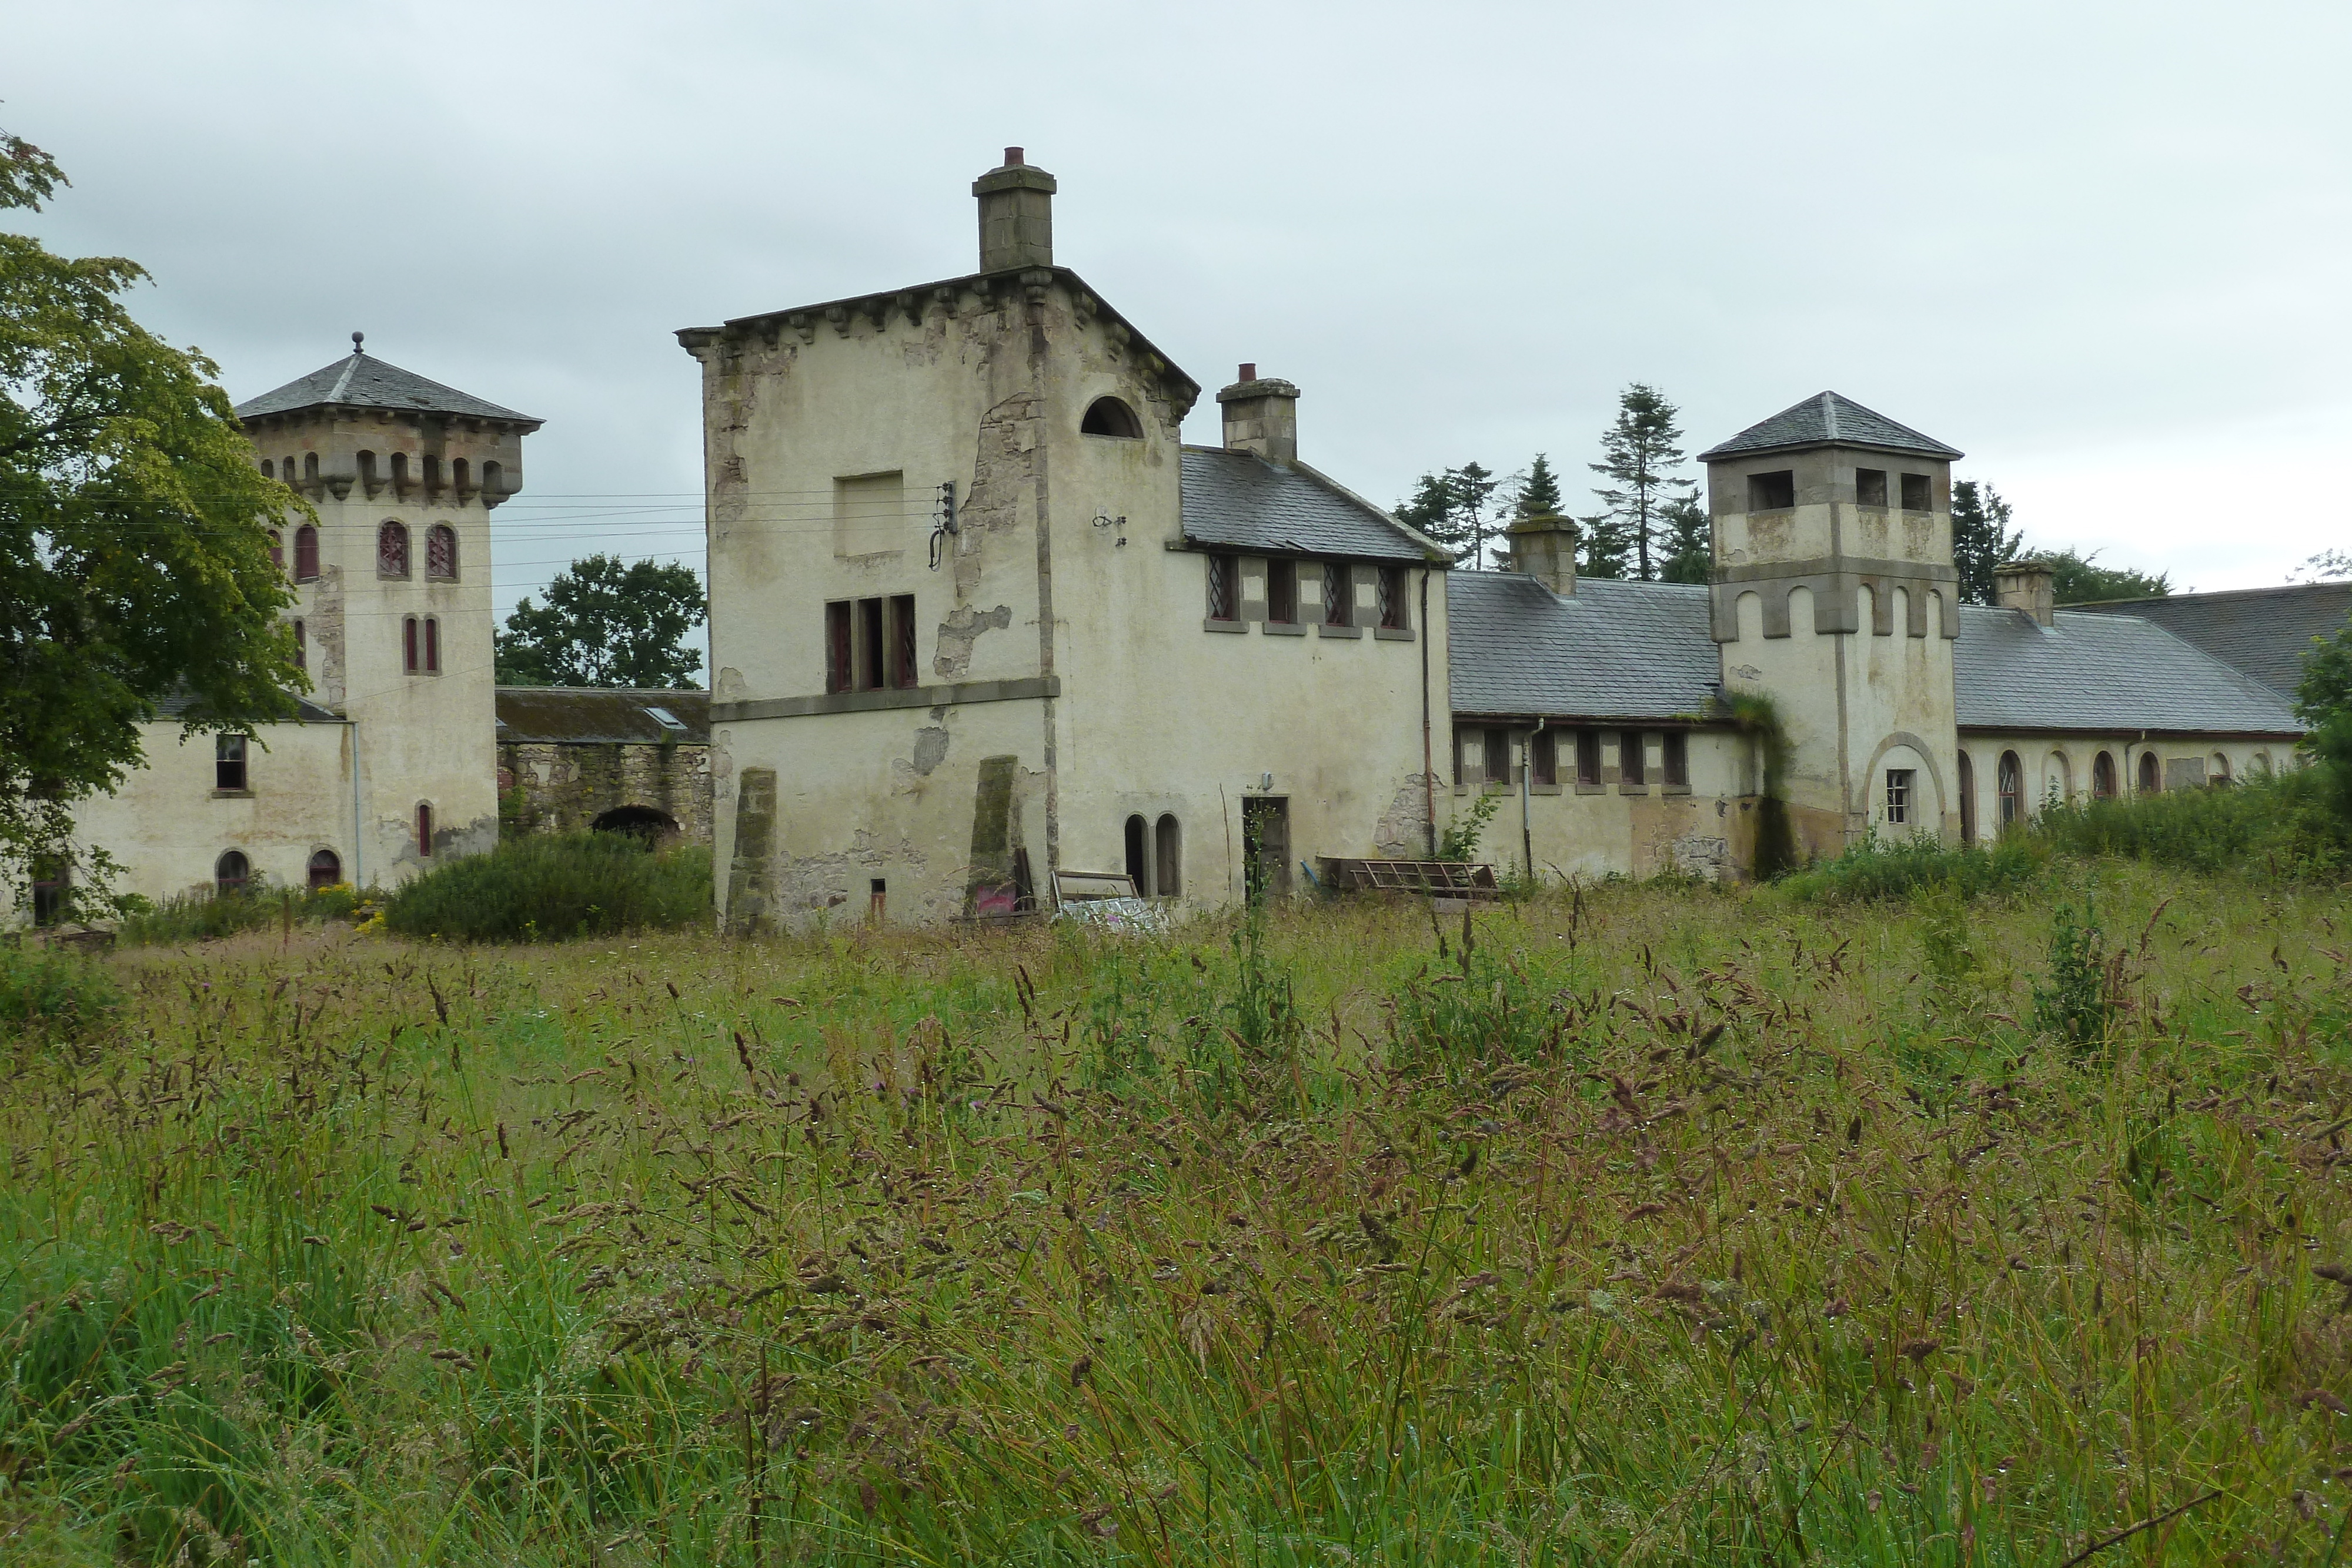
(2150, 779)
(1138, 854)
(400, 473)
(494, 484)
(2260, 764)
(423, 831)
(1967, 799)
(644, 823)
(228, 762)
(310, 468)
(306, 554)
(1109, 416)
(326, 870)
(301, 646)
(1170, 859)
(441, 553)
(460, 476)
(2011, 784)
(2057, 780)
(408, 644)
(2217, 773)
(392, 549)
(432, 645)
(368, 480)
(432, 476)
(2103, 777)
(268, 469)
(278, 549)
(232, 873)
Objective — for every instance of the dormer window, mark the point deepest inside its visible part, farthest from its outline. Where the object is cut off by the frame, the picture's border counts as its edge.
(1110, 416)
(1915, 490)
(1870, 486)
(1772, 492)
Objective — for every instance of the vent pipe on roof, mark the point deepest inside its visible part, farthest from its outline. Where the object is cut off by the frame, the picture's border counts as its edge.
(2027, 585)
(1261, 417)
(1016, 215)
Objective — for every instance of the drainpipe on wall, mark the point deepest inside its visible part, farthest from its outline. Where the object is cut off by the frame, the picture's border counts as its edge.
(1527, 771)
(359, 837)
(1428, 774)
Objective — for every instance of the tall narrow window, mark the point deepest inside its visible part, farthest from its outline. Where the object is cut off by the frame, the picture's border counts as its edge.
(2011, 783)
(870, 643)
(1587, 757)
(232, 873)
(277, 546)
(838, 665)
(1169, 857)
(228, 762)
(1138, 854)
(1224, 588)
(408, 644)
(268, 469)
(494, 484)
(432, 477)
(306, 554)
(1899, 797)
(1676, 761)
(368, 485)
(441, 553)
(2103, 777)
(902, 640)
(1631, 767)
(461, 477)
(301, 645)
(52, 889)
(310, 469)
(423, 829)
(2150, 779)
(1543, 757)
(392, 549)
(1968, 779)
(1392, 592)
(1339, 594)
(432, 645)
(1497, 755)
(400, 481)
(1282, 592)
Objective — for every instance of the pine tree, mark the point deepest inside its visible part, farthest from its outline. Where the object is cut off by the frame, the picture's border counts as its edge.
(1536, 493)
(1608, 546)
(1981, 539)
(1689, 541)
(1638, 452)
(1454, 507)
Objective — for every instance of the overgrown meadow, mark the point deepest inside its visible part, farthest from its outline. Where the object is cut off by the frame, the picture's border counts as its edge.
(1633, 1225)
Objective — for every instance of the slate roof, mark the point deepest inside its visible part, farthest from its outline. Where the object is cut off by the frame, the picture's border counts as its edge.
(2263, 632)
(583, 716)
(1826, 419)
(1610, 651)
(177, 704)
(362, 381)
(1238, 500)
(2103, 672)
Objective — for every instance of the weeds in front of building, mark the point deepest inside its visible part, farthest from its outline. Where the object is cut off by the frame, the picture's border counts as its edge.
(1614, 1226)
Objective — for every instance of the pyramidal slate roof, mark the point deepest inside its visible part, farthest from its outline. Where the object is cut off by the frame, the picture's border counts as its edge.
(1826, 419)
(2263, 631)
(362, 381)
(1238, 500)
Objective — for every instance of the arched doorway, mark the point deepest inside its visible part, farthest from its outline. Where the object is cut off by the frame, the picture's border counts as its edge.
(2150, 780)
(232, 873)
(646, 822)
(2103, 777)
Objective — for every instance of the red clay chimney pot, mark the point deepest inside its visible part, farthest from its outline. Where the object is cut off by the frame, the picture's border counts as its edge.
(1012, 157)
(1249, 373)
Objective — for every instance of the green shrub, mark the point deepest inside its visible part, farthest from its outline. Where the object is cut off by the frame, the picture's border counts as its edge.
(1874, 869)
(2286, 825)
(47, 991)
(197, 917)
(2073, 1002)
(547, 888)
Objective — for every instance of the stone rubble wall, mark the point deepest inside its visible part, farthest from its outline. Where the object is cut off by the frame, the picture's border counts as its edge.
(565, 787)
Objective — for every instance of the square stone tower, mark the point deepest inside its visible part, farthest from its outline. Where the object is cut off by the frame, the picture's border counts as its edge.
(1835, 596)
(394, 593)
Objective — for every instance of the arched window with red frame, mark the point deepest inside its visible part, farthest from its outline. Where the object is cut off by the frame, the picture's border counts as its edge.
(392, 549)
(408, 644)
(441, 553)
(306, 554)
(424, 830)
(432, 645)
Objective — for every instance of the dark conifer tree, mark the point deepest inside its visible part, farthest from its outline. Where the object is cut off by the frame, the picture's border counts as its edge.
(1981, 537)
(1689, 543)
(1639, 452)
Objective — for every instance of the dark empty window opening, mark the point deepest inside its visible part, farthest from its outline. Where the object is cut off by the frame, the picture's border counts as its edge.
(1630, 766)
(301, 646)
(458, 478)
(869, 644)
(268, 469)
(494, 484)
(1674, 765)
(1138, 854)
(306, 554)
(1543, 757)
(1772, 492)
(2103, 777)
(902, 640)
(1496, 757)
(368, 483)
(326, 870)
(1870, 486)
(646, 822)
(432, 645)
(1393, 599)
(400, 483)
(1339, 594)
(1587, 757)
(276, 546)
(408, 644)
(232, 873)
(1109, 416)
(311, 468)
(2150, 780)
(837, 662)
(1282, 592)
(1224, 588)
(1167, 871)
(1916, 493)
(228, 762)
(424, 830)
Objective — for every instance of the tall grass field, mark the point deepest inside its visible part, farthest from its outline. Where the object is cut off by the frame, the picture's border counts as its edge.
(1636, 1225)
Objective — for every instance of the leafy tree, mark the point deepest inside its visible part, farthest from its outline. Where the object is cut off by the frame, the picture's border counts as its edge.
(1637, 453)
(1455, 508)
(1608, 546)
(1689, 543)
(134, 536)
(1981, 539)
(2076, 579)
(2324, 701)
(2326, 565)
(605, 624)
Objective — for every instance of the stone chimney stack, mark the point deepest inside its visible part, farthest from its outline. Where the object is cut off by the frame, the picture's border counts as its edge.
(1016, 215)
(2026, 585)
(1261, 417)
(1545, 548)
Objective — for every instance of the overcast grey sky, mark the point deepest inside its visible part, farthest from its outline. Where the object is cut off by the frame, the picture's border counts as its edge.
(2100, 247)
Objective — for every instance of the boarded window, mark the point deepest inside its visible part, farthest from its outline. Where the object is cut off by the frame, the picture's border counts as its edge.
(1899, 797)
(306, 554)
(1631, 767)
(1587, 757)
(1870, 486)
(1391, 593)
(392, 549)
(1543, 757)
(869, 515)
(441, 553)
(871, 644)
(232, 872)
(1916, 490)
(902, 640)
(1772, 492)
(1676, 762)
(1339, 594)
(1224, 588)
(228, 762)
(1282, 592)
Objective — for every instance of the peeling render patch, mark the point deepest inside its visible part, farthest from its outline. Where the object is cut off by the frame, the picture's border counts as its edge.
(1403, 832)
(1004, 474)
(958, 633)
(811, 884)
(930, 747)
(325, 631)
